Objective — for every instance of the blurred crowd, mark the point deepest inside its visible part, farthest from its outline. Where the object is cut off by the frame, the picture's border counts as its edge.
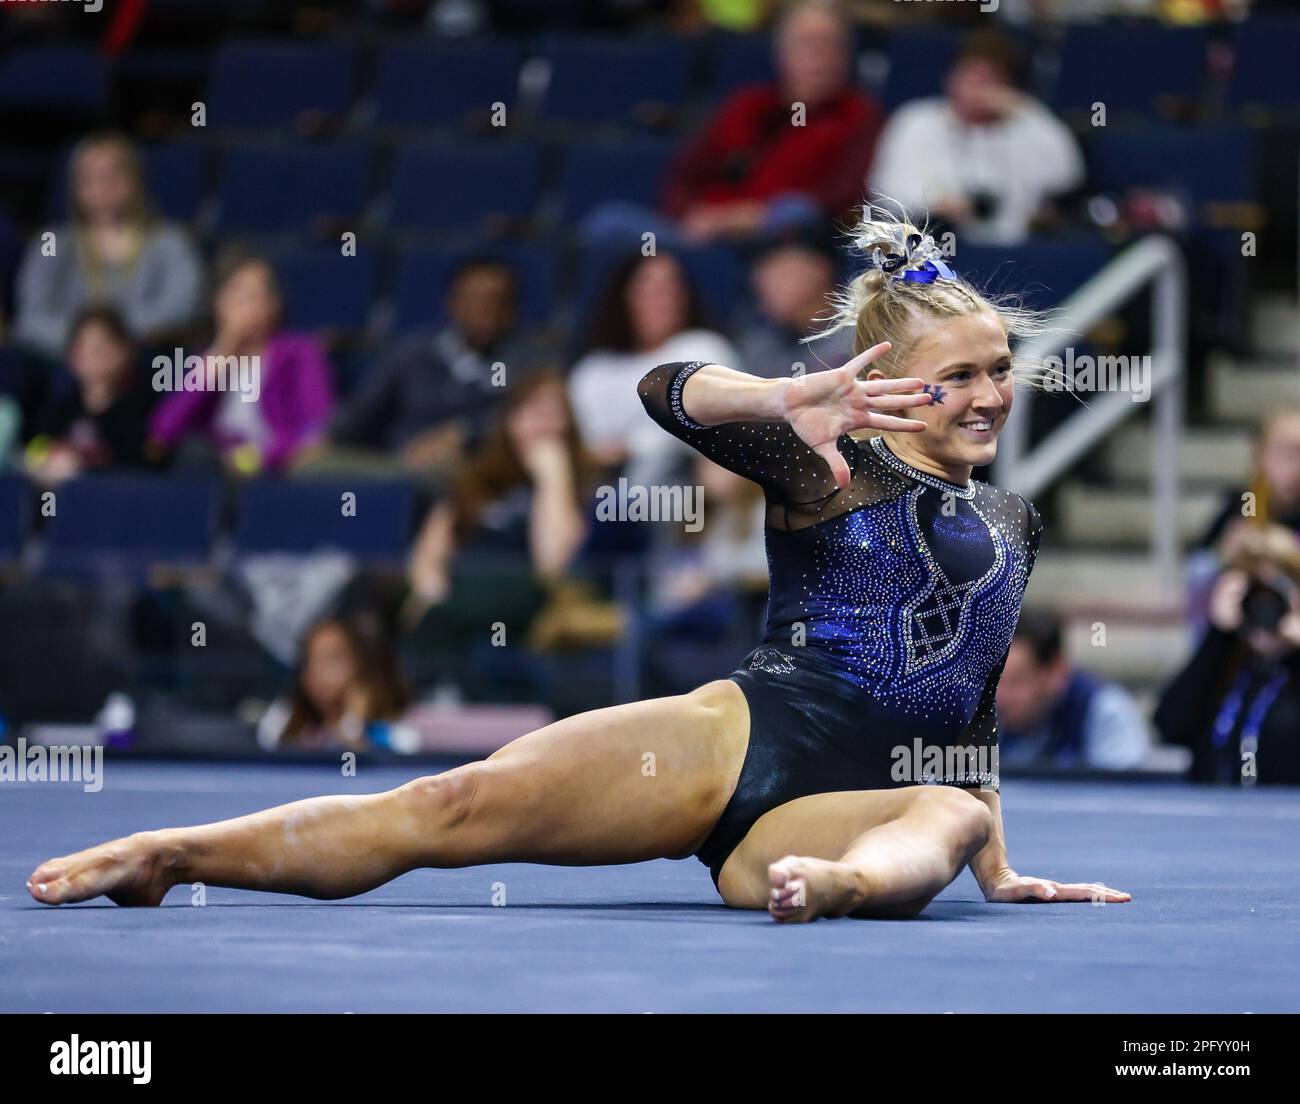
(511, 436)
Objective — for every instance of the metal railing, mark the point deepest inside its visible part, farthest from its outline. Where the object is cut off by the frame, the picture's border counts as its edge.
(1157, 261)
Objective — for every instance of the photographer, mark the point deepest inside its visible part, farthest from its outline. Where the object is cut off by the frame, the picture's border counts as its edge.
(1236, 703)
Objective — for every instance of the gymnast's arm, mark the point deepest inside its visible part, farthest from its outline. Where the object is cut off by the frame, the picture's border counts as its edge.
(788, 435)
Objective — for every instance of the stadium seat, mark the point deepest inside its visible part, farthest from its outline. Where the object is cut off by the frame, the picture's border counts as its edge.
(597, 79)
(448, 187)
(1129, 71)
(284, 188)
(13, 518)
(1203, 164)
(717, 272)
(173, 173)
(439, 83)
(270, 84)
(629, 172)
(1265, 70)
(323, 289)
(1045, 272)
(918, 62)
(298, 516)
(740, 59)
(54, 77)
(124, 525)
(423, 277)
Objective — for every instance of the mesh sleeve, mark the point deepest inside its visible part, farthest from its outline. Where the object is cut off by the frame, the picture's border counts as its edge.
(769, 453)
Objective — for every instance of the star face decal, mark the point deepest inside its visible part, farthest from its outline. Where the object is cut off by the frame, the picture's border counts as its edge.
(935, 391)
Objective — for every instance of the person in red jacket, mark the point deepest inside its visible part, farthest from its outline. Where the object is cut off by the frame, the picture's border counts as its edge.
(773, 152)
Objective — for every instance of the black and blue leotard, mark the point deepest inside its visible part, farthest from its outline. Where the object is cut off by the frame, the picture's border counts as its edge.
(891, 608)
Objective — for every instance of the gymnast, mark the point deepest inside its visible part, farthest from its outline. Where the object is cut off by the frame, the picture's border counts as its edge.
(896, 582)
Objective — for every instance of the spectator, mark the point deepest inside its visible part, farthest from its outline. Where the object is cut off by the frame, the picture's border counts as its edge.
(757, 164)
(115, 251)
(709, 590)
(432, 397)
(985, 158)
(1273, 497)
(649, 315)
(293, 380)
(517, 502)
(104, 422)
(1052, 714)
(1236, 703)
(347, 683)
(794, 280)
(1274, 493)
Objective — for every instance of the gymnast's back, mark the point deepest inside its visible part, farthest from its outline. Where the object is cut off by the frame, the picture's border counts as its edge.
(901, 584)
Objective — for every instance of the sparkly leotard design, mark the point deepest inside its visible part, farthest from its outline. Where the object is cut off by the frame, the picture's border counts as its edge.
(891, 607)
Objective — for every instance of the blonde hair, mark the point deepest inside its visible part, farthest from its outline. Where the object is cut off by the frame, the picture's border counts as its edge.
(882, 305)
(1259, 551)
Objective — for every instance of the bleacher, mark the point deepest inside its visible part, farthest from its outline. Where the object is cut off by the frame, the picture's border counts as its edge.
(429, 150)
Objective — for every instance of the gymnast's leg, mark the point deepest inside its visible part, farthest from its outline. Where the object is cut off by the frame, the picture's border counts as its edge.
(866, 853)
(624, 784)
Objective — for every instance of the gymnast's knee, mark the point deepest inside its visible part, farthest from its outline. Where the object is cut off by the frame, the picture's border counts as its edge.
(969, 820)
(449, 800)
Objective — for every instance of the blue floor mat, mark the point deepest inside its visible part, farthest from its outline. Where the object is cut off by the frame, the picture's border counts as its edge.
(1214, 924)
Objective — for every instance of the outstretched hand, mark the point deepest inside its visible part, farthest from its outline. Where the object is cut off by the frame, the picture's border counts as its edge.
(1014, 888)
(823, 405)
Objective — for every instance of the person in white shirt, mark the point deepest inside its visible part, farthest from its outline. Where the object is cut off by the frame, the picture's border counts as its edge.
(649, 315)
(985, 157)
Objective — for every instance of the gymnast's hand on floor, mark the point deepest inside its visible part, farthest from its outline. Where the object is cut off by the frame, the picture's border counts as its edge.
(821, 406)
(1017, 889)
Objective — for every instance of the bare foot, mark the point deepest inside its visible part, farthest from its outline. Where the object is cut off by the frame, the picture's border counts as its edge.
(131, 872)
(804, 889)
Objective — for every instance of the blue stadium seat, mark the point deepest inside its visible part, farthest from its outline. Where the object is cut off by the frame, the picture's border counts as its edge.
(1267, 53)
(718, 274)
(1200, 163)
(282, 188)
(323, 289)
(1045, 272)
(307, 516)
(632, 172)
(174, 174)
(13, 518)
(54, 76)
(741, 59)
(460, 187)
(124, 525)
(423, 277)
(606, 79)
(270, 84)
(431, 83)
(918, 62)
(1128, 68)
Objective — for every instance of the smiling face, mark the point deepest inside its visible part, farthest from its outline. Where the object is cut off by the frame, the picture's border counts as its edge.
(966, 363)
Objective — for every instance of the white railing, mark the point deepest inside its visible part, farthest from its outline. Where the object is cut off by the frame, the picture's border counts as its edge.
(1154, 260)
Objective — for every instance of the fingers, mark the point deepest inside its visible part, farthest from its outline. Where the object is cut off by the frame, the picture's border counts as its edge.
(892, 386)
(885, 421)
(897, 402)
(829, 452)
(853, 367)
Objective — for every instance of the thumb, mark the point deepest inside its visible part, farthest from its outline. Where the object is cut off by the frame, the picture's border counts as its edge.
(829, 451)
